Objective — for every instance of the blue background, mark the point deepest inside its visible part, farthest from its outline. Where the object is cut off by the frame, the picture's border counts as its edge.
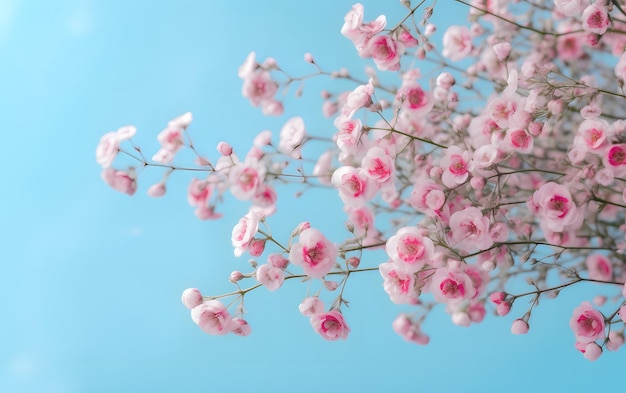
(91, 279)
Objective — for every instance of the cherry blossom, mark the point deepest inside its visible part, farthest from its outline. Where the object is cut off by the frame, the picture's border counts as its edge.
(587, 324)
(330, 325)
(314, 253)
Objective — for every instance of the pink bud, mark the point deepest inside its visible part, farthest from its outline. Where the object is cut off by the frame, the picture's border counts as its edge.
(256, 247)
(592, 351)
(156, 190)
(353, 262)
(225, 149)
(519, 327)
(303, 226)
(309, 58)
(503, 308)
(497, 297)
(535, 128)
(599, 300)
(429, 29)
(277, 260)
(236, 276)
(502, 50)
(191, 298)
(331, 285)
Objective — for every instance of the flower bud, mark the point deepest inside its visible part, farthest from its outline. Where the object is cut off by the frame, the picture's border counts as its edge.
(191, 298)
(519, 327)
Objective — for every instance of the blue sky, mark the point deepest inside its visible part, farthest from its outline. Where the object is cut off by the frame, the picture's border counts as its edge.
(91, 279)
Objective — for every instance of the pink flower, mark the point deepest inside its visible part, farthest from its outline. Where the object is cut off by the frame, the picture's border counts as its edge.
(470, 230)
(595, 19)
(408, 330)
(271, 277)
(258, 87)
(415, 99)
(568, 7)
(241, 327)
(213, 318)
(121, 181)
(245, 179)
(386, 52)
(314, 253)
(359, 98)
(378, 164)
(456, 165)
(109, 145)
(410, 249)
(330, 325)
(398, 283)
(427, 196)
(599, 267)
(291, 137)
(457, 43)
(192, 298)
(587, 323)
(243, 233)
(553, 205)
(354, 186)
(451, 286)
(592, 134)
(614, 159)
(310, 306)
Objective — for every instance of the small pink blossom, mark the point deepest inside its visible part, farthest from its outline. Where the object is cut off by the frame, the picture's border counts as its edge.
(599, 267)
(595, 19)
(409, 330)
(271, 277)
(451, 286)
(378, 164)
(245, 179)
(398, 283)
(291, 137)
(213, 318)
(311, 305)
(470, 230)
(121, 181)
(456, 165)
(359, 98)
(330, 325)
(587, 323)
(243, 232)
(109, 145)
(410, 248)
(386, 52)
(241, 327)
(354, 185)
(314, 253)
(553, 205)
(258, 87)
(457, 43)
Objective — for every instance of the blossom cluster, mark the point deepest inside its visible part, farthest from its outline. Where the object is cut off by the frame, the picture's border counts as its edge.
(507, 166)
